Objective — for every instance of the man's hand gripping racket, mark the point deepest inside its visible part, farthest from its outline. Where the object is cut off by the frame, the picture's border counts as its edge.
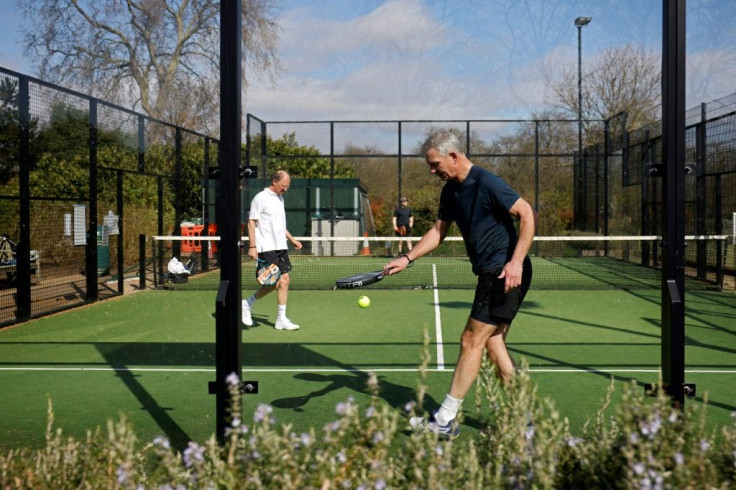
(359, 280)
(368, 278)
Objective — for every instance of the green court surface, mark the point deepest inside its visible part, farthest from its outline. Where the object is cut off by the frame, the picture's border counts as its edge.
(150, 355)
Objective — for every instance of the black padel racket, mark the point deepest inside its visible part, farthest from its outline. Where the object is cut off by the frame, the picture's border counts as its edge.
(359, 280)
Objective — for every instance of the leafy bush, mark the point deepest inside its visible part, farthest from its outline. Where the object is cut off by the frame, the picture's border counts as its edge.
(644, 443)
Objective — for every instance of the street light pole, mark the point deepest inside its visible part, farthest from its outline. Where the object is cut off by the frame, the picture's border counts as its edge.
(580, 22)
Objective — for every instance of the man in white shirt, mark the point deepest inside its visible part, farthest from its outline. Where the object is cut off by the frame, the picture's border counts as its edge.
(267, 236)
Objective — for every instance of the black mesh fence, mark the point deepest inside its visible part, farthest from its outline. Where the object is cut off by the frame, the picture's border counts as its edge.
(633, 190)
(81, 181)
(628, 197)
(84, 184)
(535, 157)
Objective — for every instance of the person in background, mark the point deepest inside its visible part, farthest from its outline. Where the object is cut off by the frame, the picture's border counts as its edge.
(403, 222)
(267, 235)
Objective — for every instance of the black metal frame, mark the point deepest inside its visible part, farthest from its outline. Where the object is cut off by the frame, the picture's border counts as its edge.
(228, 331)
(673, 233)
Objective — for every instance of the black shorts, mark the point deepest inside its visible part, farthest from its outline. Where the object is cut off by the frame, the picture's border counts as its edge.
(278, 257)
(491, 305)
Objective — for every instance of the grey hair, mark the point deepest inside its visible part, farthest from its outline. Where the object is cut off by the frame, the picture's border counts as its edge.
(444, 142)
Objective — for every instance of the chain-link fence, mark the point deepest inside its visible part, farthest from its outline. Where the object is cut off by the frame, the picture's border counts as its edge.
(535, 157)
(84, 182)
(81, 181)
(627, 193)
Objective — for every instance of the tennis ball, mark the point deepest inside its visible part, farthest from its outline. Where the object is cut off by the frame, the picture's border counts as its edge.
(364, 301)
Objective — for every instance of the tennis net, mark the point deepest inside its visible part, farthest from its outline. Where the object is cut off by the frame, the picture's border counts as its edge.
(560, 262)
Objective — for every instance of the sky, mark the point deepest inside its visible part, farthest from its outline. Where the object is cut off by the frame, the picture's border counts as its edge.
(453, 59)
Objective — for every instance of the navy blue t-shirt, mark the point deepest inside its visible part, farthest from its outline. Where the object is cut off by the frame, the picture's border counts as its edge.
(480, 207)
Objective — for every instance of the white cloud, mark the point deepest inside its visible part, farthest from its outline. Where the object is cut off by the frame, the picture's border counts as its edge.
(421, 59)
(710, 75)
(396, 28)
(363, 67)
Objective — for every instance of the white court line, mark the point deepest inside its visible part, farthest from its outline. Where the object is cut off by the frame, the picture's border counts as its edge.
(438, 322)
(343, 370)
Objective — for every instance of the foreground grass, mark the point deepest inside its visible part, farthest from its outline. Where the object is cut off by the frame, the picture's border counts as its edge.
(524, 443)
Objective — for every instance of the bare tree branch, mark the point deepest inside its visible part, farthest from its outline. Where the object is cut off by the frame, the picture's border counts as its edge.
(622, 79)
(154, 55)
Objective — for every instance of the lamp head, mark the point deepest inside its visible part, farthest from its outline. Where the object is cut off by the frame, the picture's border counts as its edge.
(582, 21)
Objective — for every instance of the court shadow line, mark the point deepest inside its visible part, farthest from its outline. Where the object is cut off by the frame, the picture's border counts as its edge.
(589, 324)
(177, 436)
(690, 342)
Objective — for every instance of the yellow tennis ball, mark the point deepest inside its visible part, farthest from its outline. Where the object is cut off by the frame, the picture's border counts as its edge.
(364, 301)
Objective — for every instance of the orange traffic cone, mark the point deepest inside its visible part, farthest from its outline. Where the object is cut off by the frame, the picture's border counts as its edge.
(366, 248)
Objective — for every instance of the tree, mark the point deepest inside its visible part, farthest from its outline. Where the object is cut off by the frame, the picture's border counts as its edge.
(302, 162)
(161, 56)
(9, 129)
(624, 78)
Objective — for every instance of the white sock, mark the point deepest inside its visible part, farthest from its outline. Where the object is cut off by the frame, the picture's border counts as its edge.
(448, 410)
(282, 311)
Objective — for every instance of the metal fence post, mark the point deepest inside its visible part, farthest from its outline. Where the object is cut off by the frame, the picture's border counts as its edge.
(91, 248)
(23, 252)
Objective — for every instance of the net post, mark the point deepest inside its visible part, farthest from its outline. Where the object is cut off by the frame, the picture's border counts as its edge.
(142, 261)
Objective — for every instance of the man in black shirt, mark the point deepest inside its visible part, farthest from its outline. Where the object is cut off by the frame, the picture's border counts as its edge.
(403, 222)
(484, 208)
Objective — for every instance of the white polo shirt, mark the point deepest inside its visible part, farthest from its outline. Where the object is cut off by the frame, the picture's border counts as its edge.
(267, 208)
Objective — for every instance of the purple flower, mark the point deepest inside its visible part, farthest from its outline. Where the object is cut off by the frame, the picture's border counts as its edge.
(194, 453)
(262, 412)
(573, 441)
(306, 439)
(529, 432)
(162, 441)
(232, 379)
(652, 427)
(343, 407)
(122, 474)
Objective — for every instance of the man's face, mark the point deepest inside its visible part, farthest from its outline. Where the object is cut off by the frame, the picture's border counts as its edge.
(442, 166)
(282, 186)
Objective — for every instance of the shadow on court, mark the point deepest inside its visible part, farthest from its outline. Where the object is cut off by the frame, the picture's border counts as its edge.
(397, 396)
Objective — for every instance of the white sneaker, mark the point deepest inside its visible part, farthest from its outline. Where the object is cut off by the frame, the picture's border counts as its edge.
(247, 319)
(420, 424)
(283, 323)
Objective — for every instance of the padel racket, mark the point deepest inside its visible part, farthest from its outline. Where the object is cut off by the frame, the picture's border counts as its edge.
(267, 274)
(402, 230)
(359, 280)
